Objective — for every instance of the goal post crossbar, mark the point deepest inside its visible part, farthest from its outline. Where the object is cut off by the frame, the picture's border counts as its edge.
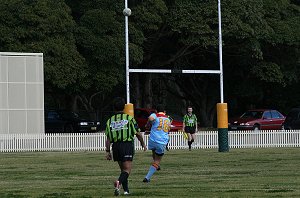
(174, 71)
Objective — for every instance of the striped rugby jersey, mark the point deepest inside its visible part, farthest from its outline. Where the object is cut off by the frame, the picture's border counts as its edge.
(121, 128)
(190, 120)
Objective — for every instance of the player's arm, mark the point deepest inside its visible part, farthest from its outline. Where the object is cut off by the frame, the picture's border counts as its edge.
(150, 121)
(171, 119)
(107, 143)
(141, 139)
(148, 125)
(107, 149)
(136, 131)
(151, 118)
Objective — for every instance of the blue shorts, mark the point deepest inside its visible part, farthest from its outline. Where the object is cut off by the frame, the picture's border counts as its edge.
(159, 149)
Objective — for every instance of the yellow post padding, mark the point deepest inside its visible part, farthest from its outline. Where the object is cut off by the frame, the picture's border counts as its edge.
(222, 114)
(128, 109)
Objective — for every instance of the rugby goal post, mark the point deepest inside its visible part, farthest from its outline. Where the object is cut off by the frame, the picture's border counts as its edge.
(222, 112)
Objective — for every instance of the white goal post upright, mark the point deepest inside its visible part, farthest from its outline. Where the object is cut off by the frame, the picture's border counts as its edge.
(220, 52)
(222, 110)
(127, 13)
(221, 107)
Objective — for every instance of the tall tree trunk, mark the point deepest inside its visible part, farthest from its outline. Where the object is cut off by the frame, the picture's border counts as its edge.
(86, 102)
(148, 100)
(137, 92)
(207, 111)
(70, 103)
(74, 103)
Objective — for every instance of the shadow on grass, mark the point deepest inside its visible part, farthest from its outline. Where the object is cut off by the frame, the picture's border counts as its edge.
(12, 195)
(56, 195)
(146, 194)
(279, 190)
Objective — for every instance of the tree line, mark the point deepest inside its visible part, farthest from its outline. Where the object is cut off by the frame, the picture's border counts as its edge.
(84, 52)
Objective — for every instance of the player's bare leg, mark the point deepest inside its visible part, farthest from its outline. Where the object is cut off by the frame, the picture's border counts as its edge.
(153, 157)
(154, 167)
(157, 159)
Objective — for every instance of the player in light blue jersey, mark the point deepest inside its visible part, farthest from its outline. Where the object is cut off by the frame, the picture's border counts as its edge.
(158, 139)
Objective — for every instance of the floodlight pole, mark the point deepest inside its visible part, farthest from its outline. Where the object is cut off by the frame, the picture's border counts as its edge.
(127, 55)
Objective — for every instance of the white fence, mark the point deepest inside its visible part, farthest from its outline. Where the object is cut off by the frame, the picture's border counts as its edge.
(96, 141)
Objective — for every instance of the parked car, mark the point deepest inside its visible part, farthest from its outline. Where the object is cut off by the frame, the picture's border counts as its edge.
(292, 120)
(259, 119)
(68, 122)
(141, 116)
(177, 123)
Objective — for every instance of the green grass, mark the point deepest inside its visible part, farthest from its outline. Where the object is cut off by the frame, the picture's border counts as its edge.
(270, 172)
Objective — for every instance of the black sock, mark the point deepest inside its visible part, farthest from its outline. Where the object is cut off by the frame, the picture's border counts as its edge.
(125, 185)
(192, 141)
(189, 143)
(123, 177)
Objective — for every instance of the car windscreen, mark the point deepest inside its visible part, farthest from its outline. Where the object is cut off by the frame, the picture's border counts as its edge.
(252, 114)
(276, 114)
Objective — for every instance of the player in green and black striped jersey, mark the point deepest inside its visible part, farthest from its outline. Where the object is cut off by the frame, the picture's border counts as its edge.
(190, 126)
(120, 131)
(121, 127)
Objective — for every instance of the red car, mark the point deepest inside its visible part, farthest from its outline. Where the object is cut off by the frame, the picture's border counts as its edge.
(141, 116)
(258, 119)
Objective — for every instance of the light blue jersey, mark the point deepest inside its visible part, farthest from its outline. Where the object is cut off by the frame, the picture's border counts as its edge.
(160, 128)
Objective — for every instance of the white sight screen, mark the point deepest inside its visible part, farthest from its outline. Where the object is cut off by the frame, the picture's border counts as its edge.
(21, 93)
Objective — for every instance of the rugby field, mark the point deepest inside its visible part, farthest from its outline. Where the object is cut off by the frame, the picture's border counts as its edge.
(263, 172)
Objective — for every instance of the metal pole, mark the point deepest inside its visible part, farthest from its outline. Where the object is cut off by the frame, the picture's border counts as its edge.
(222, 110)
(127, 55)
(220, 52)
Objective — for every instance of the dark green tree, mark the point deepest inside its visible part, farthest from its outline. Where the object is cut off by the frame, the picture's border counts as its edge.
(100, 40)
(43, 26)
(261, 50)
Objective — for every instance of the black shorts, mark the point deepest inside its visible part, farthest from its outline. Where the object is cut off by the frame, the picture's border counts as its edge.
(189, 129)
(123, 151)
